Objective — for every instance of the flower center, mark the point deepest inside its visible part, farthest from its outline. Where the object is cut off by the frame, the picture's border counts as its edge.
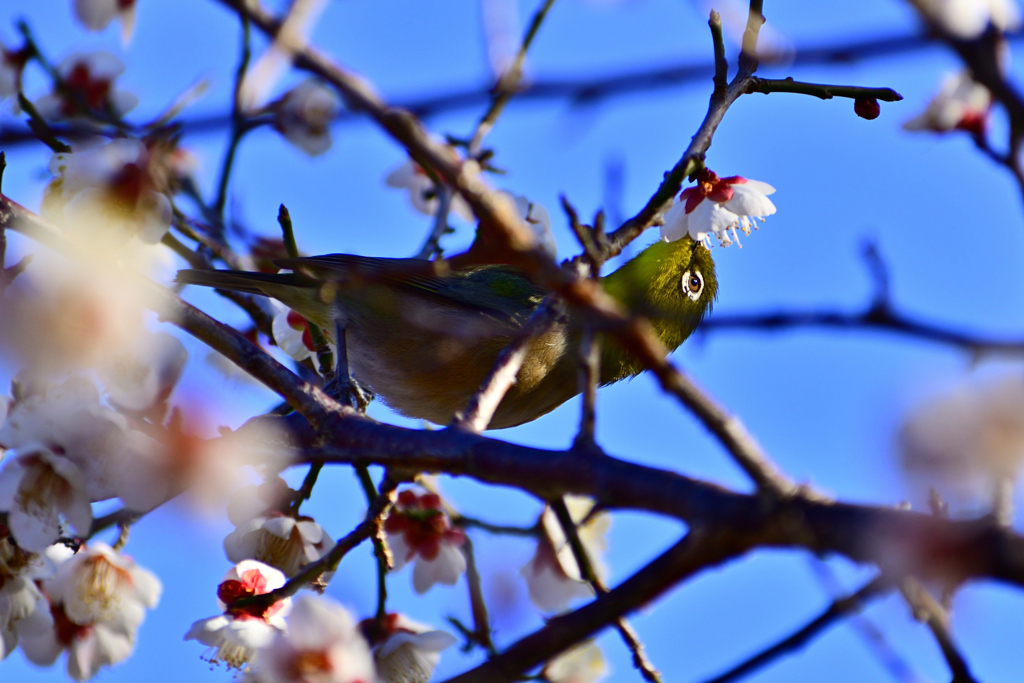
(309, 663)
(92, 92)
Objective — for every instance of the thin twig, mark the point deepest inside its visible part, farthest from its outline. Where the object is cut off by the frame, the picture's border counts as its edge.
(440, 228)
(583, 561)
(239, 126)
(928, 610)
(508, 82)
(839, 609)
(721, 78)
(481, 633)
(822, 91)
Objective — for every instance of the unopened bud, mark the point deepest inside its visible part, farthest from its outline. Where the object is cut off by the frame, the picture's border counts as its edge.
(867, 108)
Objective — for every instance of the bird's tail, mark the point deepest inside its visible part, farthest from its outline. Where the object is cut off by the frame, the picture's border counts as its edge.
(236, 281)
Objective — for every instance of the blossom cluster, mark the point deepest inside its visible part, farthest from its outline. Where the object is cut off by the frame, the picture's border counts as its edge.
(88, 604)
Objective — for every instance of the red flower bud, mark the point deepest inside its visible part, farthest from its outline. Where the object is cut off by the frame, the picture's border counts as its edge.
(867, 108)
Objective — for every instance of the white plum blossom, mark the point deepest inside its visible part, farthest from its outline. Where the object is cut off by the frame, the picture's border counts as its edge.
(99, 584)
(404, 650)
(304, 114)
(279, 540)
(138, 381)
(969, 438)
(321, 644)
(108, 193)
(97, 602)
(718, 206)
(584, 663)
(961, 104)
(968, 19)
(96, 15)
(419, 531)
(553, 576)
(411, 177)
(237, 636)
(89, 82)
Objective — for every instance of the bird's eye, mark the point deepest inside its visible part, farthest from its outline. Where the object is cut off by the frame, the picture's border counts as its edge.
(693, 284)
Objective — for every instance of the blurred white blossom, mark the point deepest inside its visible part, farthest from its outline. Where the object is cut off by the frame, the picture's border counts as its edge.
(97, 600)
(584, 663)
(321, 644)
(404, 650)
(968, 439)
(96, 15)
(138, 381)
(968, 19)
(718, 206)
(89, 82)
(237, 636)
(304, 114)
(109, 193)
(411, 177)
(961, 104)
(553, 576)
(419, 531)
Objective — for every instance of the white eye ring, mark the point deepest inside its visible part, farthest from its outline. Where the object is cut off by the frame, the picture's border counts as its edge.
(693, 284)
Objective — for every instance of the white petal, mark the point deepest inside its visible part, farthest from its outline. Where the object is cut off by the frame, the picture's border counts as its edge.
(749, 202)
(462, 209)
(122, 101)
(95, 15)
(763, 188)
(676, 223)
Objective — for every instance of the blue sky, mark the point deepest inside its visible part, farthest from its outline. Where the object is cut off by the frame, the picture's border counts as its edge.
(825, 404)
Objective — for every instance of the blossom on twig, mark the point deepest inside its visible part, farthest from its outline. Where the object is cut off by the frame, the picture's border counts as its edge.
(237, 636)
(718, 206)
(419, 531)
(24, 610)
(279, 540)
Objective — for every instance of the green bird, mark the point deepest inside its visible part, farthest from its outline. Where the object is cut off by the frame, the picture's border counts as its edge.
(424, 342)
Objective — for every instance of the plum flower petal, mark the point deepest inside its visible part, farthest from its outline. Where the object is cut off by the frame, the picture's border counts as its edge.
(96, 15)
(279, 540)
(584, 663)
(536, 216)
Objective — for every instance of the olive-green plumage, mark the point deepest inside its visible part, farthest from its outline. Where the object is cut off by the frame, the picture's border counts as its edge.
(424, 342)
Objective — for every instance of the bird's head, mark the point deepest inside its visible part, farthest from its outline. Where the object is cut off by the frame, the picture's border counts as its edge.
(672, 283)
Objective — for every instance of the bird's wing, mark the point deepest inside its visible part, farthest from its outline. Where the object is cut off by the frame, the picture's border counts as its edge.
(500, 292)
